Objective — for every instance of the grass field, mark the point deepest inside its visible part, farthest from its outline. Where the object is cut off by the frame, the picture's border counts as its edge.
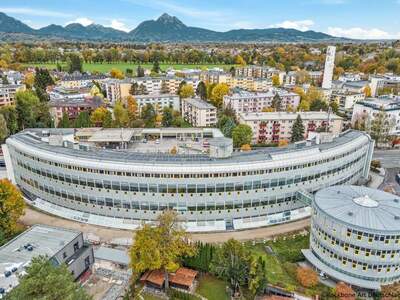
(103, 68)
(212, 288)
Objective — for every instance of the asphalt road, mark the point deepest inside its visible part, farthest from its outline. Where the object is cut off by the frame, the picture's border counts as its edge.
(388, 158)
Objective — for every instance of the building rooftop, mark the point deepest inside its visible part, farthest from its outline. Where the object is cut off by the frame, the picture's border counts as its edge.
(113, 255)
(34, 139)
(319, 115)
(151, 96)
(361, 207)
(239, 93)
(387, 103)
(112, 135)
(197, 102)
(37, 240)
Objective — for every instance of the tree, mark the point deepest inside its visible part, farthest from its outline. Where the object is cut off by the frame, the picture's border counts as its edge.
(231, 263)
(64, 122)
(74, 63)
(226, 125)
(240, 61)
(44, 280)
(334, 105)
(42, 79)
(156, 67)
(344, 292)
(381, 126)
(142, 90)
(4, 80)
(100, 117)
(241, 135)
(3, 129)
(161, 247)
(83, 120)
(167, 117)
(132, 108)
(134, 89)
(140, 71)
(276, 103)
(257, 276)
(276, 81)
(186, 91)
(10, 115)
(307, 277)
(12, 207)
(232, 70)
(218, 93)
(29, 80)
(121, 116)
(116, 73)
(149, 116)
(297, 130)
(29, 110)
(164, 87)
(318, 105)
(201, 90)
(367, 91)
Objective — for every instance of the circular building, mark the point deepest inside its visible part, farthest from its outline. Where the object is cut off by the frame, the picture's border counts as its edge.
(355, 235)
(121, 178)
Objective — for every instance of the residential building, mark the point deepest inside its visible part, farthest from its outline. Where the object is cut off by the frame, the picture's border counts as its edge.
(80, 80)
(346, 100)
(369, 108)
(315, 76)
(116, 89)
(213, 76)
(60, 245)
(272, 127)
(256, 72)
(212, 192)
(329, 65)
(159, 101)
(7, 93)
(355, 234)
(244, 102)
(153, 85)
(198, 112)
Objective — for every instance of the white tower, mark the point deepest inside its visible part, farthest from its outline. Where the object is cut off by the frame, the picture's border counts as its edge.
(329, 64)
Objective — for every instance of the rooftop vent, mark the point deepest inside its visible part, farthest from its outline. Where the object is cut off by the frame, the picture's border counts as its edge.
(350, 213)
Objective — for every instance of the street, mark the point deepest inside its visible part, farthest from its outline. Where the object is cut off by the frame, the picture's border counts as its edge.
(388, 158)
(390, 180)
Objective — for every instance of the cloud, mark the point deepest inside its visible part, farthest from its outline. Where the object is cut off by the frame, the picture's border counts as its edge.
(84, 21)
(118, 25)
(361, 33)
(34, 12)
(302, 25)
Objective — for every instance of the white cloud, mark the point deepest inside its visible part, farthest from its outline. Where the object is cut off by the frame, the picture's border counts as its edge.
(34, 12)
(361, 33)
(84, 21)
(302, 25)
(118, 25)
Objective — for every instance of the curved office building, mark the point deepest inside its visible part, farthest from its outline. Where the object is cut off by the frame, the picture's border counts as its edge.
(77, 176)
(355, 235)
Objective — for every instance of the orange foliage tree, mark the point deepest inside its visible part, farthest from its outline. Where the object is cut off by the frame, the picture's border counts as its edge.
(307, 277)
(344, 292)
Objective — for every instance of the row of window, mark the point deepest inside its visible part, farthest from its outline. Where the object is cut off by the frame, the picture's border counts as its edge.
(183, 175)
(356, 265)
(357, 250)
(361, 235)
(181, 188)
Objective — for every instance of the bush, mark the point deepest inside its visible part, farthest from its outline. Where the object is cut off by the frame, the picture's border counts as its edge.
(307, 277)
(344, 292)
(375, 164)
(175, 294)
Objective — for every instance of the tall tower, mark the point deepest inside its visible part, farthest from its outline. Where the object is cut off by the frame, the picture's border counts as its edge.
(329, 64)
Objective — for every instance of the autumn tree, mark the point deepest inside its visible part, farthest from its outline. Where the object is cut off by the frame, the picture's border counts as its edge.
(11, 207)
(218, 93)
(186, 91)
(307, 277)
(132, 107)
(381, 126)
(167, 117)
(4, 132)
(367, 91)
(121, 116)
(101, 117)
(116, 73)
(344, 292)
(161, 247)
(45, 280)
(297, 130)
(240, 61)
(276, 81)
(134, 89)
(257, 276)
(241, 134)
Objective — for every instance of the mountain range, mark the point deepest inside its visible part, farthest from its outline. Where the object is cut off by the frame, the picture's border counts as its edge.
(165, 29)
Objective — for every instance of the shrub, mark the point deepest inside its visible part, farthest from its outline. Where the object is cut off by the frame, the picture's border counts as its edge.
(307, 277)
(344, 292)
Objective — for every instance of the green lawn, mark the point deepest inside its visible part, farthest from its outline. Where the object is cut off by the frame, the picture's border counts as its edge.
(147, 296)
(212, 288)
(102, 68)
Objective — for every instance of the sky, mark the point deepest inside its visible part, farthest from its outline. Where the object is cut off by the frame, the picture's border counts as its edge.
(366, 19)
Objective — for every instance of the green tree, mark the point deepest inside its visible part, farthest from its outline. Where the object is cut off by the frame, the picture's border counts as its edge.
(74, 63)
(231, 263)
(201, 90)
(83, 120)
(241, 135)
(297, 130)
(64, 122)
(156, 67)
(161, 246)
(167, 117)
(257, 276)
(276, 103)
(4, 80)
(12, 207)
(142, 90)
(140, 71)
(149, 116)
(3, 129)
(134, 89)
(44, 280)
(121, 116)
(26, 107)
(10, 115)
(42, 79)
(381, 126)
(318, 105)
(226, 125)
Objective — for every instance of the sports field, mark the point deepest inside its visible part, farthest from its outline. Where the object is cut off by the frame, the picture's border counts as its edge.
(105, 67)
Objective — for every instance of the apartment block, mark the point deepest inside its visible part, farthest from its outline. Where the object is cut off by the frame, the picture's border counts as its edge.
(198, 112)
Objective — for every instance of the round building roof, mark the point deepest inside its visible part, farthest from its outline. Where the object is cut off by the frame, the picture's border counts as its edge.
(360, 206)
